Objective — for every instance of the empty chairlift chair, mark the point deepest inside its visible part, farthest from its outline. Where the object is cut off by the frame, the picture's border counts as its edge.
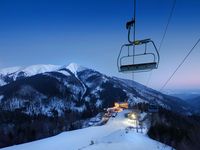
(126, 66)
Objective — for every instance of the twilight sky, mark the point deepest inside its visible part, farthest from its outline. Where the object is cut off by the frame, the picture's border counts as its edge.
(90, 33)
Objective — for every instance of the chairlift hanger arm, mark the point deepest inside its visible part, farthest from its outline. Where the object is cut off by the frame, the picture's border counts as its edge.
(130, 24)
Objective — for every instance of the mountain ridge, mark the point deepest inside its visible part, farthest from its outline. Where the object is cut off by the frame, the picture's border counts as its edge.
(85, 84)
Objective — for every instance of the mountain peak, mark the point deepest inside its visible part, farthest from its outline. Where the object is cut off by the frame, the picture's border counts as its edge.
(74, 68)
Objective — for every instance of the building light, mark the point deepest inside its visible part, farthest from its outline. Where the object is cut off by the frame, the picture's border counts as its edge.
(132, 116)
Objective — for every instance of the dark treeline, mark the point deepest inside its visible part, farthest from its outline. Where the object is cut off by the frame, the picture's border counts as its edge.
(17, 127)
(182, 132)
(179, 131)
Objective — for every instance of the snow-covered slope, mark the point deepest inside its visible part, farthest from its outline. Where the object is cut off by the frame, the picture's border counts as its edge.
(30, 70)
(11, 74)
(111, 136)
(10, 70)
(20, 72)
(75, 68)
(36, 69)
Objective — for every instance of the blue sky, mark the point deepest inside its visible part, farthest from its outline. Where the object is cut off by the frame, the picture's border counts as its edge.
(90, 33)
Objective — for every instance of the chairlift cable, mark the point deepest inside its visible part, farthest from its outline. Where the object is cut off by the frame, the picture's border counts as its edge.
(134, 33)
(182, 62)
(167, 25)
(164, 35)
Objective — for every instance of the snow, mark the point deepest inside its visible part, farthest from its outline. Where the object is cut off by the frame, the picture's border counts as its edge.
(2, 82)
(41, 68)
(112, 136)
(98, 103)
(121, 140)
(74, 68)
(37, 69)
(64, 72)
(30, 70)
(10, 70)
(13, 103)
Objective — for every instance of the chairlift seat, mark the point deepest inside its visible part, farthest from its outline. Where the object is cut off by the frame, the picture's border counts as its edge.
(138, 67)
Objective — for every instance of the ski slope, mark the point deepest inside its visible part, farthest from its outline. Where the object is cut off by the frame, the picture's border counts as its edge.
(112, 136)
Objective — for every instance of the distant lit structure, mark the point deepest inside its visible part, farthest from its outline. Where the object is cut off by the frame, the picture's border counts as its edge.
(123, 105)
(134, 119)
(118, 107)
(133, 116)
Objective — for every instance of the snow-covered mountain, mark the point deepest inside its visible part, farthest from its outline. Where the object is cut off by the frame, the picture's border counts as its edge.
(37, 69)
(46, 99)
(11, 74)
(72, 87)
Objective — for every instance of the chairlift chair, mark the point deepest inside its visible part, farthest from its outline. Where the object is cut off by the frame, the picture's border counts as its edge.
(135, 66)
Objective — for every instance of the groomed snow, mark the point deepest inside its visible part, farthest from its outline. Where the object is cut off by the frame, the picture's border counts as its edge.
(111, 136)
